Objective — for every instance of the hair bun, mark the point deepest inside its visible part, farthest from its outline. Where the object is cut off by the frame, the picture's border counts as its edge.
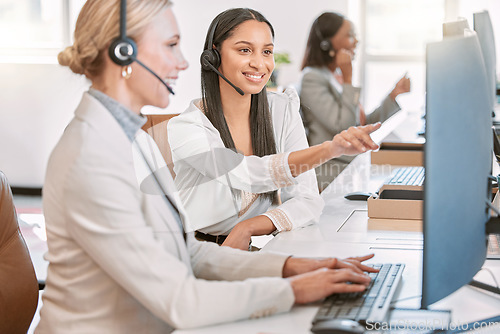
(71, 58)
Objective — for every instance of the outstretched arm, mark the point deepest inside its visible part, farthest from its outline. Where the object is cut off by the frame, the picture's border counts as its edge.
(352, 141)
(196, 147)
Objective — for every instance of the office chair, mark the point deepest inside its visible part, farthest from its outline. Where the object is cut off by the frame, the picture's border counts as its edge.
(18, 283)
(156, 126)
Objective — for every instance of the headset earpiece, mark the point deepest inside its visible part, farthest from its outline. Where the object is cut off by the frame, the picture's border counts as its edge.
(324, 44)
(210, 59)
(211, 56)
(122, 51)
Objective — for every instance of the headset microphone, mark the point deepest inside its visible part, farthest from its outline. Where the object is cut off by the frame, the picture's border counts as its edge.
(123, 50)
(207, 63)
(210, 59)
(153, 73)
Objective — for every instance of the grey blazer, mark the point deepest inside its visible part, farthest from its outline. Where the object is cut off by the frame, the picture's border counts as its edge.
(328, 112)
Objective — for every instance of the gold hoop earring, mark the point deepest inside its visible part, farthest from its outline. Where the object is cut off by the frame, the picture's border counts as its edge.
(331, 53)
(126, 72)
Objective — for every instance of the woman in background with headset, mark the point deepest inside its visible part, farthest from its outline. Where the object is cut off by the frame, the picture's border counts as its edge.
(236, 114)
(118, 259)
(329, 101)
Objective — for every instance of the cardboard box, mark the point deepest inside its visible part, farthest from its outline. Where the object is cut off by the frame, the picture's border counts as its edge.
(409, 225)
(397, 204)
(401, 154)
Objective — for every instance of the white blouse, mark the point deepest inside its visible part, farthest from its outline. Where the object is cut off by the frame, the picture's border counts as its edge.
(220, 187)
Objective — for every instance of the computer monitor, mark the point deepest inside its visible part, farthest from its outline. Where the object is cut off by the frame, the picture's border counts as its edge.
(457, 166)
(484, 30)
(455, 28)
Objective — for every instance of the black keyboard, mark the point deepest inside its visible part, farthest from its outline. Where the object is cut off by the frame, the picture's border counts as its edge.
(369, 305)
(407, 176)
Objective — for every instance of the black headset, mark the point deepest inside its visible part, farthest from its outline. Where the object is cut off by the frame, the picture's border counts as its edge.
(324, 44)
(210, 58)
(123, 50)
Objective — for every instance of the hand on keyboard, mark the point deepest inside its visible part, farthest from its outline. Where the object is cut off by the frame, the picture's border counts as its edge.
(296, 265)
(356, 264)
(371, 304)
(314, 279)
(318, 284)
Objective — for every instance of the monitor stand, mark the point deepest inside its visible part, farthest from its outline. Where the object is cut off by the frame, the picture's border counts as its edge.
(484, 286)
(492, 227)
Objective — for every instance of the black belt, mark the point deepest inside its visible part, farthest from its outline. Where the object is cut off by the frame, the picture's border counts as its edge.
(218, 239)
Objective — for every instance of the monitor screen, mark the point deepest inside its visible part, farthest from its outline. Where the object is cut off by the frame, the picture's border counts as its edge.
(455, 28)
(457, 166)
(484, 30)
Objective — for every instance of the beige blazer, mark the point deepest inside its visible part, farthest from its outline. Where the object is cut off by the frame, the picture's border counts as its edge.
(118, 261)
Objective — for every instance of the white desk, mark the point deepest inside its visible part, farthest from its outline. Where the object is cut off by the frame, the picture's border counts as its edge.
(341, 233)
(336, 235)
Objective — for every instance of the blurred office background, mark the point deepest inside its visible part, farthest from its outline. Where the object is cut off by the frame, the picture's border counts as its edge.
(37, 96)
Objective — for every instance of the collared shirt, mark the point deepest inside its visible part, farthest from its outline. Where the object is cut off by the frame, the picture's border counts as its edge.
(128, 120)
(131, 123)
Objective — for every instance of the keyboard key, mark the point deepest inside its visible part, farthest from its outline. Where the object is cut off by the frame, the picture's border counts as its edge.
(413, 176)
(359, 306)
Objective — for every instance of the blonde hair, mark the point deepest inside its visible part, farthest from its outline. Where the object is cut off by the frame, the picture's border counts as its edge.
(98, 24)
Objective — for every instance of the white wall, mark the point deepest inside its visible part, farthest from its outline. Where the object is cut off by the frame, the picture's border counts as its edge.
(291, 20)
(37, 101)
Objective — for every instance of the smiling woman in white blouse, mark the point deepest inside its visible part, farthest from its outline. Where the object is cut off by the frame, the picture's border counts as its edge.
(119, 260)
(231, 148)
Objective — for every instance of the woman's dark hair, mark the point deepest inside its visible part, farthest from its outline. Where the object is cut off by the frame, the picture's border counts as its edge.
(261, 128)
(325, 27)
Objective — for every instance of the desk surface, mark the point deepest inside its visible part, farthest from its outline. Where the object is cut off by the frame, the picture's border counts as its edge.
(342, 232)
